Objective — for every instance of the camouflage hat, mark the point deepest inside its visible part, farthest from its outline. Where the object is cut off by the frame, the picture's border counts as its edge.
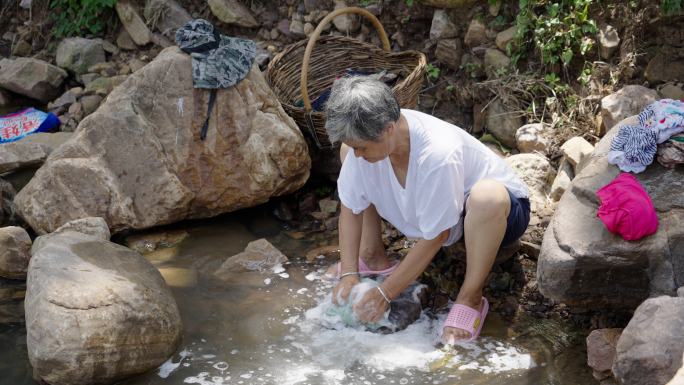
(217, 61)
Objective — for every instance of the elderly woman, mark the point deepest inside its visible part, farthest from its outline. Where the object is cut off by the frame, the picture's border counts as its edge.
(432, 181)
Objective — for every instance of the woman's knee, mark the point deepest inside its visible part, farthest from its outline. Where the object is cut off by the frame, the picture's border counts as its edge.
(489, 194)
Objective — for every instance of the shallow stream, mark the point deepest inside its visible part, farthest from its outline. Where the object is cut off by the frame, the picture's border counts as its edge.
(268, 328)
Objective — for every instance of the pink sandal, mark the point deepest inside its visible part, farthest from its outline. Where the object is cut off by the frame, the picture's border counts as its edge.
(468, 319)
(364, 269)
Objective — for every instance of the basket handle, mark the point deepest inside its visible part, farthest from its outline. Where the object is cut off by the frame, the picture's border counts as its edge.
(317, 33)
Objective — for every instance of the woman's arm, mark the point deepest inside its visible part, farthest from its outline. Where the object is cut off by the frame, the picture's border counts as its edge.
(372, 306)
(350, 241)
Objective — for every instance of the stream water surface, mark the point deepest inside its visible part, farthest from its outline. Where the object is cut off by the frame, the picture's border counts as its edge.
(269, 328)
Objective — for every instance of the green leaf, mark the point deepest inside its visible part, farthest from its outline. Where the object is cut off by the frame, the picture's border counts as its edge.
(567, 56)
(522, 4)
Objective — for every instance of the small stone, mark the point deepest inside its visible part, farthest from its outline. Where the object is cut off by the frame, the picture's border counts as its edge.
(136, 64)
(331, 223)
(99, 67)
(89, 78)
(576, 149)
(671, 91)
(307, 204)
(124, 41)
(530, 249)
(109, 47)
(609, 41)
(476, 33)
(108, 72)
(505, 37)
(90, 103)
(328, 205)
(23, 49)
(320, 216)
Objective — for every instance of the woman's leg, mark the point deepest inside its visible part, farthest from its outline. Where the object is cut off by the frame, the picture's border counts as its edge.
(484, 227)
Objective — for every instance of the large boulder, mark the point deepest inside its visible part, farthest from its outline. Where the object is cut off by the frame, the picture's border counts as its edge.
(96, 312)
(630, 100)
(138, 161)
(77, 54)
(650, 348)
(537, 172)
(663, 68)
(582, 264)
(15, 247)
(33, 78)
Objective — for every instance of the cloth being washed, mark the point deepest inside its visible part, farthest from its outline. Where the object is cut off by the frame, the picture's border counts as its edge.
(346, 313)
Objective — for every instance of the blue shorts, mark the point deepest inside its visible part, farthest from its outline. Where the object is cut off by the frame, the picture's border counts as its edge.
(517, 221)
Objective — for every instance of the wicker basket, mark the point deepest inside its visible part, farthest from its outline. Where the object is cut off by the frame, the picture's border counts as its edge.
(289, 71)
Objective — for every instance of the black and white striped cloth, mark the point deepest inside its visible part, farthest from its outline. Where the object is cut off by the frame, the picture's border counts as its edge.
(637, 142)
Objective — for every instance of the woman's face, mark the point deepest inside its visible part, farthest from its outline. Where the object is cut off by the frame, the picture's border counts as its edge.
(371, 151)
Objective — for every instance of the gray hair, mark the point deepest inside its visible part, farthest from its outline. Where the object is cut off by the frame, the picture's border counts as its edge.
(360, 108)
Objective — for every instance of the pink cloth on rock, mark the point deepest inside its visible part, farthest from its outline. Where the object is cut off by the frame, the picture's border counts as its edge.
(626, 208)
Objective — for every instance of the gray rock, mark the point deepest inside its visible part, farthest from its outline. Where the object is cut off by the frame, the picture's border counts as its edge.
(167, 14)
(609, 41)
(161, 40)
(68, 98)
(680, 292)
(129, 14)
(536, 171)
(671, 91)
(96, 312)
(502, 124)
(137, 64)
(601, 345)
(347, 23)
(442, 27)
(17, 155)
(124, 41)
(15, 252)
(5, 99)
(97, 227)
(630, 100)
(99, 86)
(476, 33)
(252, 265)
(663, 68)
(23, 49)
(233, 12)
(532, 137)
(33, 78)
(495, 62)
(450, 53)
(563, 179)
(297, 29)
(576, 149)
(77, 54)
(146, 174)
(506, 36)
(99, 67)
(50, 140)
(678, 379)
(316, 5)
(7, 189)
(90, 103)
(582, 263)
(406, 307)
(651, 346)
(89, 78)
(109, 47)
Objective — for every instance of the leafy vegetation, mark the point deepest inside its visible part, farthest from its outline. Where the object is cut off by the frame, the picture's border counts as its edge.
(556, 32)
(669, 7)
(78, 17)
(432, 70)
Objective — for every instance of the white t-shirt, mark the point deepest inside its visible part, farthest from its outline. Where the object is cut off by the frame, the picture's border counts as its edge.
(444, 164)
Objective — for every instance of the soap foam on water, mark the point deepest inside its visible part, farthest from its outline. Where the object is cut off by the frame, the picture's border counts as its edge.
(321, 349)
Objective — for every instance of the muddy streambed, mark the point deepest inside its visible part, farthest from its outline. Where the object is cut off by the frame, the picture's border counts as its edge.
(268, 328)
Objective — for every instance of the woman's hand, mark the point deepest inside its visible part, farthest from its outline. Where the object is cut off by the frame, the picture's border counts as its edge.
(340, 293)
(371, 306)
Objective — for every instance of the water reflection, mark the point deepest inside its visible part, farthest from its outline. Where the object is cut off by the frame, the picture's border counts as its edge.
(269, 330)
